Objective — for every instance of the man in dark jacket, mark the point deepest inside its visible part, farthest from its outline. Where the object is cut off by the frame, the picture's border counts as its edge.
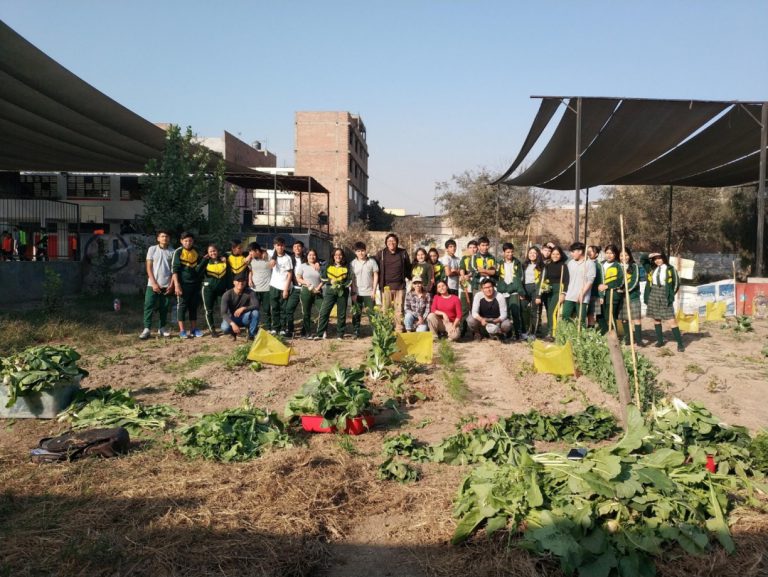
(394, 270)
(240, 308)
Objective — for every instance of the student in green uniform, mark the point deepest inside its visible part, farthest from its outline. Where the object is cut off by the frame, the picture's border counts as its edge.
(299, 258)
(438, 269)
(185, 265)
(280, 285)
(337, 279)
(511, 286)
(485, 262)
(237, 262)
(612, 281)
(552, 288)
(309, 278)
(423, 269)
(660, 290)
(214, 271)
(159, 284)
(467, 280)
(532, 278)
(594, 308)
(632, 272)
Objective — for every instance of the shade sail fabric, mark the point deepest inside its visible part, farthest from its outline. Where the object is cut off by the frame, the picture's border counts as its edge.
(559, 152)
(547, 109)
(729, 138)
(646, 141)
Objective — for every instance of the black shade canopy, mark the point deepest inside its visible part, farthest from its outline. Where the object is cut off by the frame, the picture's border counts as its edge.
(265, 181)
(644, 141)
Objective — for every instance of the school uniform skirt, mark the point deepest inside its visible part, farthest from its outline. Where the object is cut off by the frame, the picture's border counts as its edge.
(657, 304)
(634, 309)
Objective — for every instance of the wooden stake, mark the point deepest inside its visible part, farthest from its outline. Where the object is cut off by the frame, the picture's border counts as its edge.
(629, 318)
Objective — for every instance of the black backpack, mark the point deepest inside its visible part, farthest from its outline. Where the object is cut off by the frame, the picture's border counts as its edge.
(77, 444)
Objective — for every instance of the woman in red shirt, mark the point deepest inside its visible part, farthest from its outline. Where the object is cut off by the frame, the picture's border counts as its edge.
(445, 315)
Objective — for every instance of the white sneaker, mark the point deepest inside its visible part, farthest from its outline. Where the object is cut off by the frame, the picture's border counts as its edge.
(145, 334)
(163, 332)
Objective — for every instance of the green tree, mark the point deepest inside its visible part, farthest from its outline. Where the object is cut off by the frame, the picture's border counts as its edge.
(185, 189)
(476, 207)
(697, 215)
(739, 226)
(376, 217)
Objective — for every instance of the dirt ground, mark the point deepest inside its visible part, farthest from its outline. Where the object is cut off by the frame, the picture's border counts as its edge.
(318, 509)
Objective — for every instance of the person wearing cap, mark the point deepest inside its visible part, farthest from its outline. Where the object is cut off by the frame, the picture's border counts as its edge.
(489, 313)
(659, 296)
(240, 309)
(581, 276)
(417, 307)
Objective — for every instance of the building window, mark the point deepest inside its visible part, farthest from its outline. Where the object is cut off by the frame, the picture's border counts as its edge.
(261, 205)
(284, 205)
(79, 186)
(40, 186)
(130, 189)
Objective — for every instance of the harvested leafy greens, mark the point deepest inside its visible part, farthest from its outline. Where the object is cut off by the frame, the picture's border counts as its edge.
(39, 369)
(337, 395)
(233, 435)
(108, 407)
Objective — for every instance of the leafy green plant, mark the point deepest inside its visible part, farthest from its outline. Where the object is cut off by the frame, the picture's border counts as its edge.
(743, 324)
(189, 386)
(764, 351)
(608, 513)
(191, 364)
(383, 345)
(239, 358)
(108, 407)
(337, 395)
(233, 435)
(590, 351)
(393, 469)
(758, 448)
(39, 369)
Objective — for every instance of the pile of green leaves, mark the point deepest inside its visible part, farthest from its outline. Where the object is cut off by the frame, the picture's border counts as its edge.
(383, 345)
(233, 435)
(758, 449)
(337, 395)
(590, 351)
(189, 386)
(609, 513)
(394, 469)
(108, 407)
(743, 324)
(39, 369)
(497, 440)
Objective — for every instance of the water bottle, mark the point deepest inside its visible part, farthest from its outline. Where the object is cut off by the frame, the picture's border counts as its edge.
(116, 305)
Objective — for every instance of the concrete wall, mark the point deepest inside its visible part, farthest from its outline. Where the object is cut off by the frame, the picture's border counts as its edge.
(22, 282)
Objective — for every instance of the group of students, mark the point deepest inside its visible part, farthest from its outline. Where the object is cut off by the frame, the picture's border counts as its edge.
(450, 295)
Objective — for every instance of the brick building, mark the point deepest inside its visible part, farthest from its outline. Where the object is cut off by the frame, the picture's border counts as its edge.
(331, 146)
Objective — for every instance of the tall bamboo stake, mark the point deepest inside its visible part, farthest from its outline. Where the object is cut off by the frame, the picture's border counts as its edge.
(629, 317)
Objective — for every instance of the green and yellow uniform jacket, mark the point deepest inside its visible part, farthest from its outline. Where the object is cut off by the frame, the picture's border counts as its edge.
(439, 270)
(235, 265)
(516, 285)
(187, 264)
(594, 291)
(215, 275)
(671, 281)
(424, 271)
(336, 278)
(613, 277)
(633, 281)
(480, 262)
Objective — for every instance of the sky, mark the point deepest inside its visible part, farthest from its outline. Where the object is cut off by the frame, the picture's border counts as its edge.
(442, 86)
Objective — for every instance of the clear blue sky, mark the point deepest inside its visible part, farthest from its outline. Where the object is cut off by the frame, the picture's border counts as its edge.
(442, 86)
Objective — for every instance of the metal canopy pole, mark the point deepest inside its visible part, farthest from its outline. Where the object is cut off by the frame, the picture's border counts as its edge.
(669, 224)
(578, 170)
(759, 255)
(586, 217)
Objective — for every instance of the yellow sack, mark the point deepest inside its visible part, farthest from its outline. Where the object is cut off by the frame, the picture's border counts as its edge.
(555, 319)
(269, 350)
(715, 311)
(688, 323)
(553, 359)
(417, 345)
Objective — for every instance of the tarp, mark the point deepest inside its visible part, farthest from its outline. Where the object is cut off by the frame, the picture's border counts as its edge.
(417, 345)
(269, 350)
(553, 359)
(645, 141)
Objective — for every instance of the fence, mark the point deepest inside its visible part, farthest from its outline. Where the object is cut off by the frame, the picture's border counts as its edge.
(39, 229)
